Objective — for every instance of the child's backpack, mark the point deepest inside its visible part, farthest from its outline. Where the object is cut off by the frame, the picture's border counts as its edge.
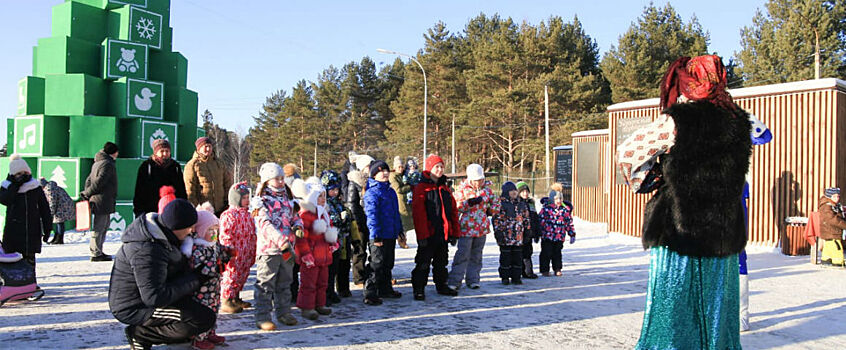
(17, 279)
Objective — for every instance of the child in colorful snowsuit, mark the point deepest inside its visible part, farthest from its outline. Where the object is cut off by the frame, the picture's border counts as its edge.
(531, 235)
(510, 224)
(206, 257)
(277, 227)
(314, 252)
(237, 231)
(557, 223)
(339, 271)
(476, 201)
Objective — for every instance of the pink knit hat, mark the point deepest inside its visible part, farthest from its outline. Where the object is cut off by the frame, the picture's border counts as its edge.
(205, 220)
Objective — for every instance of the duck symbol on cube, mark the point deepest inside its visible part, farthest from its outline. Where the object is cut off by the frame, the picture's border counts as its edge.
(143, 101)
(127, 61)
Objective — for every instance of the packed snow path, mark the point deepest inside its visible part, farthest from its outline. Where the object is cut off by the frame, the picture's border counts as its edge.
(597, 304)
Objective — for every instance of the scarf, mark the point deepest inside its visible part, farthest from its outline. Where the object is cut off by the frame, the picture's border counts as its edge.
(701, 78)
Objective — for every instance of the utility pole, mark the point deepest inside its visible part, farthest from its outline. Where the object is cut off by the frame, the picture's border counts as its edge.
(453, 143)
(315, 157)
(816, 42)
(546, 123)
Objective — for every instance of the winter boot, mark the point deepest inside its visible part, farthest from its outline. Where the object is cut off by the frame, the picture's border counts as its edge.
(373, 301)
(202, 344)
(744, 303)
(288, 319)
(214, 338)
(333, 298)
(230, 307)
(402, 241)
(528, 269)
(516, 281)
(323, 310)
(266, 326)
(310, 314)
(558, 273)
(243, 304)
(446, 290)
(135, 344)
(419, 295)
(506, 281)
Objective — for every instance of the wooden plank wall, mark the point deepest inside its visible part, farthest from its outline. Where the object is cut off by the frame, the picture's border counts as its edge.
(787, 176)
(589, 203)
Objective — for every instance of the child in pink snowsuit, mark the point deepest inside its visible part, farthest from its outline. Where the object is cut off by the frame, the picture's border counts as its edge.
(238, 232)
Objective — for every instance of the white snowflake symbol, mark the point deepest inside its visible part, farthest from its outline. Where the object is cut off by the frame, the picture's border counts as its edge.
(146, 28)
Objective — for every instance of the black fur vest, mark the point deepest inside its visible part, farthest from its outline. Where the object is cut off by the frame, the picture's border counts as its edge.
(697, 211)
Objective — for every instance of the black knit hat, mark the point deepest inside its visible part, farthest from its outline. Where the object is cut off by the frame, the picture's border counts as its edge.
(110, 148)
(178, 214)
(377, 167)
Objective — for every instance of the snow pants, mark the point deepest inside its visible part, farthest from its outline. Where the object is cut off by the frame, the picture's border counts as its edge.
(510, 262)
(273, 286)
(236, 273)
(359, 260)
(176, 323)
(467, 262)
(380, 265)
(833, 250)
(313, 283)
(550, 253)
(432, 252)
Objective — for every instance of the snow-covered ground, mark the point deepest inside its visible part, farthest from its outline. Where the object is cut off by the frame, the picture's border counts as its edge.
(597, 304)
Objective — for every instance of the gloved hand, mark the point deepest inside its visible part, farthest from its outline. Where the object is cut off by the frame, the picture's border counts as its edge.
(45, 237)
(572, 239)
(82, 197)
(308, 260)
(288, 254)
(334, 247)
(344, 215)
(474, 200)
(22, 178)
(452, 241)
(299, 232)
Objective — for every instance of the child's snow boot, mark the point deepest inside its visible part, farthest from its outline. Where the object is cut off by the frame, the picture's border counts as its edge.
(288, 320)
(214, 338)
(310, 314)
(202, 344)
(558, 273)
(266, 325)
(230, 307)
(419, 295)
(323, 310)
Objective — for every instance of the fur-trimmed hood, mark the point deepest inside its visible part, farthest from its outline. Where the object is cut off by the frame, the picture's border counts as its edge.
(358, 177)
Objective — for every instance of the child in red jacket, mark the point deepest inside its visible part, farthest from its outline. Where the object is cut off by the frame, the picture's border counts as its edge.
(314, 252)
(238, 232)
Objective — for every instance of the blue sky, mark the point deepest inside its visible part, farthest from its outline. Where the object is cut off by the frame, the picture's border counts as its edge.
(239, 52)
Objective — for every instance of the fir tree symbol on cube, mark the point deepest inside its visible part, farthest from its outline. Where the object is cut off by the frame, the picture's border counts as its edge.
(117, 222)
(58, 176)
(146, 28)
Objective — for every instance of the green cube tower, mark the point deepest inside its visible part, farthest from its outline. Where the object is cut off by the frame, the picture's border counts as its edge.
(74, 94)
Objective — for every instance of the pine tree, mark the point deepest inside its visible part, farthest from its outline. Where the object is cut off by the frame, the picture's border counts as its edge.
(635, 67)
(779, 46)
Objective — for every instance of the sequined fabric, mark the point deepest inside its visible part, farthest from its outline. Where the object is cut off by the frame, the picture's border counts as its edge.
(691, 302)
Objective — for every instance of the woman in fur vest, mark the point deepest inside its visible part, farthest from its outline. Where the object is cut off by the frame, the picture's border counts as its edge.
(694, 156)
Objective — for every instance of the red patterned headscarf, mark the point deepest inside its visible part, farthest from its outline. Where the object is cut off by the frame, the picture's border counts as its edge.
(701, 78)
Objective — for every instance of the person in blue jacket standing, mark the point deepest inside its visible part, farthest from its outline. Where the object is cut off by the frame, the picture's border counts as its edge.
(384, 224)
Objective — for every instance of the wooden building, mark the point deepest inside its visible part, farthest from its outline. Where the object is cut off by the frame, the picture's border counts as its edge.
(787, 176)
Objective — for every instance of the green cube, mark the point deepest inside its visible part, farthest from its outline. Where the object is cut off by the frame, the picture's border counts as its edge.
(110, 4)
(69, 173)
(124, 59)
(88, 134)
(31, 96)
(122, 217)
(161, 7)
(10, 135)
(127, 171)
(170, 68)
(75, 94)
(181, 106)
(35, 60)
(63, 55)
(136, 136)
(187, 135)
(136, 25)
(133, 98)
(39, 135)
(79, 21)
(167, 39)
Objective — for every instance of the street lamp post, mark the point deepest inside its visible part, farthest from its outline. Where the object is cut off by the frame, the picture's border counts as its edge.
(425, 92)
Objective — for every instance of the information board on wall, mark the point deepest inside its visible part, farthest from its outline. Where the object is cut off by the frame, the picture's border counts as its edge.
(588, 166)
(625, 128)
(564, 168)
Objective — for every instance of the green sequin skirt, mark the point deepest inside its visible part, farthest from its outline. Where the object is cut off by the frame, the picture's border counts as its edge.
(691, 302)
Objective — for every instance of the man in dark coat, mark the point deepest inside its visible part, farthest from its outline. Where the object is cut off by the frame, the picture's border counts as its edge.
(160, 170)
(152, 285)
(101, 192)
(27, 211)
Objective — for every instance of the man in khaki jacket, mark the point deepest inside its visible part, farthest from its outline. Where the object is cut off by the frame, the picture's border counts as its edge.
(206, 178)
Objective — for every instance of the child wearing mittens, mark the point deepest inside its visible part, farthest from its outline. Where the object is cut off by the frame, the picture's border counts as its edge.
(238, 232)
(206, 256)
(339, 271)
(510, 224)
(556, 224)
(277, 228)
(314, 251)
